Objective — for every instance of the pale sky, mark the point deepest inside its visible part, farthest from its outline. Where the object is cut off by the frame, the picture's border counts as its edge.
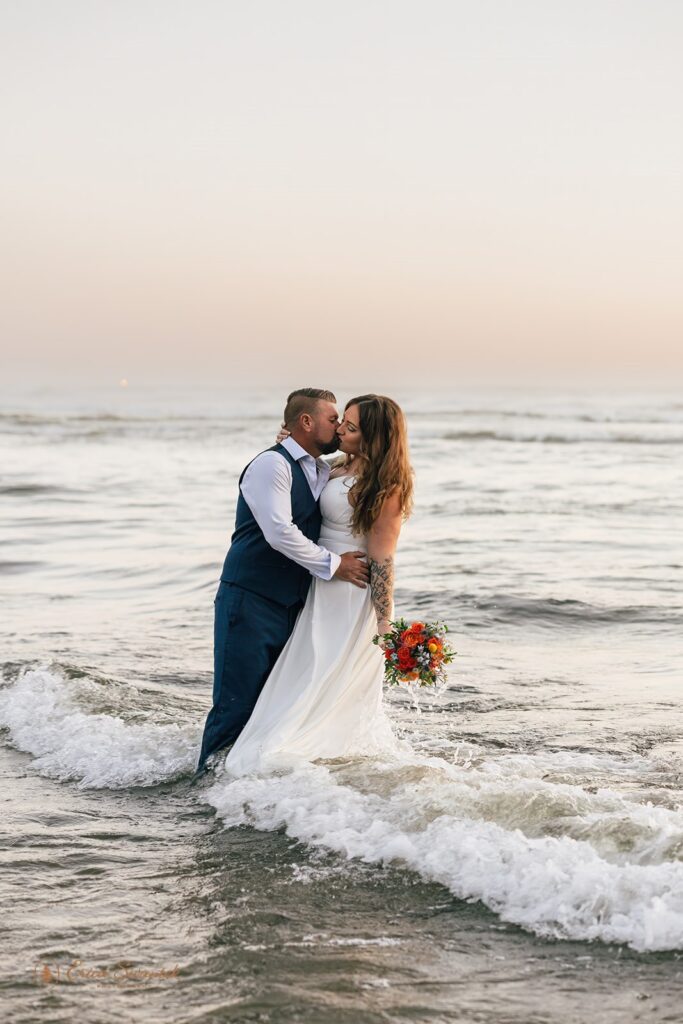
(322, 189)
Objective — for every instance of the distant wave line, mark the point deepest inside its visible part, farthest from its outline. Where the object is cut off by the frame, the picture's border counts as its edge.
(508, 608)
(495, 435)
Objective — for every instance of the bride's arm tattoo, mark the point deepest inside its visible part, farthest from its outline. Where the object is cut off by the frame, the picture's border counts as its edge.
(382, 587)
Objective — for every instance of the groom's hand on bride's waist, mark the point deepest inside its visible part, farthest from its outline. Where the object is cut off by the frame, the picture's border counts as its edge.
(353, 569)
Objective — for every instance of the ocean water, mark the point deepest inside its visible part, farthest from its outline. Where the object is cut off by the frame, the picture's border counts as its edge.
(523, 861)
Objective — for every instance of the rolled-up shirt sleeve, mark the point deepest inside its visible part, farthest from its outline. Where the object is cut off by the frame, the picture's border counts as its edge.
(267, 490)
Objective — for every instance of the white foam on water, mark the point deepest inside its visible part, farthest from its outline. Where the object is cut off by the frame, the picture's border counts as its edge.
(319, 939)
(553, 858)
(520, 832)
(99, 751)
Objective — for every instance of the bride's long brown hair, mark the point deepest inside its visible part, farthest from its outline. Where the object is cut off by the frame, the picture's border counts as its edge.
(385, 466)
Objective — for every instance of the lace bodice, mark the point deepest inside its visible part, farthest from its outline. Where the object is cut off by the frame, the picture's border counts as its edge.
(336, 511)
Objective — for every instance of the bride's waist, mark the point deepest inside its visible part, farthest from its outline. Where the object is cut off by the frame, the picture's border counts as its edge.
(341, 540)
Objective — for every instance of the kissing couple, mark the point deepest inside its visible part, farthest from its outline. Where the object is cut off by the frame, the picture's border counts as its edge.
(296, 675)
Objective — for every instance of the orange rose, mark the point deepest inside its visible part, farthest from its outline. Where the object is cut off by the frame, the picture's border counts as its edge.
(405, 658)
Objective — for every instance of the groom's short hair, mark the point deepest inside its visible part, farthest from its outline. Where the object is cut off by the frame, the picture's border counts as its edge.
(305, 400)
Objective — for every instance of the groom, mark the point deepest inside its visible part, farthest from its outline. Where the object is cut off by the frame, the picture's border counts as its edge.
(268, 568)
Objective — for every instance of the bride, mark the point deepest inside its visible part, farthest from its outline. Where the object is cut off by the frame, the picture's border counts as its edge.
(323, 697)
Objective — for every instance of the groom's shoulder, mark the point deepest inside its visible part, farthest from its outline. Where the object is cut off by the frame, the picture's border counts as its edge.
(271, 463)
(275, 454)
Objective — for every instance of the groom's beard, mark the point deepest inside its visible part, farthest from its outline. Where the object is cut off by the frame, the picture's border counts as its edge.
(331, 446)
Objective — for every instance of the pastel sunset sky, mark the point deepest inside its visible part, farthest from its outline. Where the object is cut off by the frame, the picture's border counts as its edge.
(241, 189)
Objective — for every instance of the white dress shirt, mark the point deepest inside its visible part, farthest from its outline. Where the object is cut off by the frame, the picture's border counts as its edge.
(267, 489)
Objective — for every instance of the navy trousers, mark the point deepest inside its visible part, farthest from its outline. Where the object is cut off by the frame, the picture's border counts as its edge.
(249, 634)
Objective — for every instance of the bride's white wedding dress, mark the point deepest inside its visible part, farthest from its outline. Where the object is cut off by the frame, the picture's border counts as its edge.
(323, 698)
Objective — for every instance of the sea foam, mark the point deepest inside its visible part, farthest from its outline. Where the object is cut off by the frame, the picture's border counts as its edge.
(482, 834)
(519, 832)
(41, 712)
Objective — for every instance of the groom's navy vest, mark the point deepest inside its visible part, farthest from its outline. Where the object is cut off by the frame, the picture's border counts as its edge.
(253, 564)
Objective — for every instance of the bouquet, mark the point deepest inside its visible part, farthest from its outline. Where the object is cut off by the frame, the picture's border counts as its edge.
(415, 652)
